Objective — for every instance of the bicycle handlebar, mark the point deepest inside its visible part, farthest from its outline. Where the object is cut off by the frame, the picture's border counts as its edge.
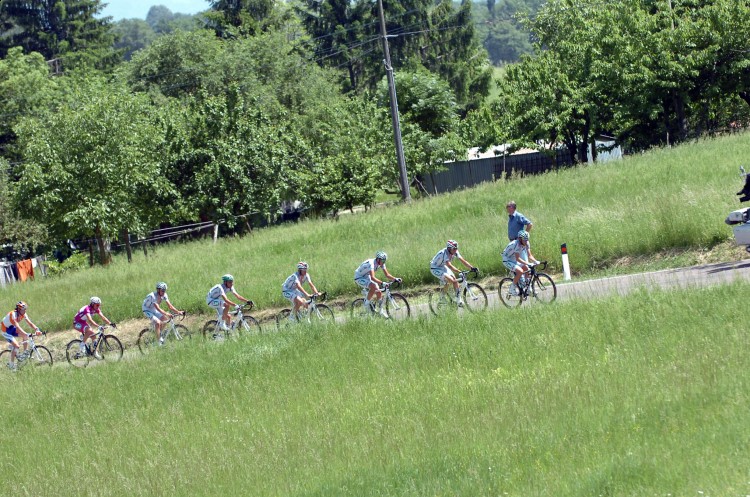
(392, 284)
(320, 297)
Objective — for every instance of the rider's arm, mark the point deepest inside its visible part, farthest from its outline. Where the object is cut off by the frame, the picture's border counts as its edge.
(315, 290)
(33, 326)
(158, 308)
(229, 302)
(389, 275)
(302, 289)
(466, 263)
(531, 256)
(241, 297)
(173, 308)
(374, 278)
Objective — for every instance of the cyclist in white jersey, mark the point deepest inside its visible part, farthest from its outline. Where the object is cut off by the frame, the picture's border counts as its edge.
(153, 311)
(217, 298)
(365, 277)
(11, 328)
(514, 257)
(442, 269)
(293, 291)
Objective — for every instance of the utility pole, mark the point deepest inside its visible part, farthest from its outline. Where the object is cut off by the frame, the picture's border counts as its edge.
(403, 179)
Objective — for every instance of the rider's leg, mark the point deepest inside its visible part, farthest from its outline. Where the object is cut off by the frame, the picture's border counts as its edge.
(374, 292)
(299, 302)
(225, 315)
(159, 326)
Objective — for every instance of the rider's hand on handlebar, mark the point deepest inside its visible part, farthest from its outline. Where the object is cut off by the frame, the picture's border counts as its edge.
(113, 325)
(474, 269)
(398, 280)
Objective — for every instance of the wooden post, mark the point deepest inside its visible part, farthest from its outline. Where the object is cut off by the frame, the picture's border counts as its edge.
(128, 248)
(216, 231)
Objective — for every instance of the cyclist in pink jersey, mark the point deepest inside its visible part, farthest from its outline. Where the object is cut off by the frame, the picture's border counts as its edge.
(84, 322)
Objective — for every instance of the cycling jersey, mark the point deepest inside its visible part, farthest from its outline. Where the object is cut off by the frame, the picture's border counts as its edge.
(10, 321)
(291, 282)
(153, 298)
(83, 313)
(442, 258)
(515, 248)
(218, 291)
(364, 269)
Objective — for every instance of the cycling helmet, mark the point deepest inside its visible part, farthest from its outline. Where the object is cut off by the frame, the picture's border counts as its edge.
(21, 306)
(524, 235)
(381, 256)
(161, 286)
(301, 266)
(452, 244)
(227, 277)
(95, 301)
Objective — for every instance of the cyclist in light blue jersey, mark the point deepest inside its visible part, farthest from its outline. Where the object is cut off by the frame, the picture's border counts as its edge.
(442, 269)
(365, 277)
(153, 311)
(293, 291)
(516, 257)
(217, 299)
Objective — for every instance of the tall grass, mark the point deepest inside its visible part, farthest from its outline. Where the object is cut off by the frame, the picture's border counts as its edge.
(642, 395)
(664, 199)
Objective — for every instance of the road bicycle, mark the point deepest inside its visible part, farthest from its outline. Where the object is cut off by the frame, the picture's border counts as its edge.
(473, 295)
(38, 355)
(105, 347)
(240, 325)
(314, 313)
(534, 286)
(396, 305)
(170, 332)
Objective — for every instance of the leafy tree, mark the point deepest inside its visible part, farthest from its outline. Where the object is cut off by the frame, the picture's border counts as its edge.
(21, 233)
(238, 18)
(132, 35)
(68, 29)
(94, 169)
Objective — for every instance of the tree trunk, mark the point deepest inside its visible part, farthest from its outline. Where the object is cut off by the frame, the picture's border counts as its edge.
(91, 254)
(145, 248)
(679, 109)
(128, 248)
(103, 255)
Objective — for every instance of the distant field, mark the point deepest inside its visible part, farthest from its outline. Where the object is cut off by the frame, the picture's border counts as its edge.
(667, 199)
(642, 395)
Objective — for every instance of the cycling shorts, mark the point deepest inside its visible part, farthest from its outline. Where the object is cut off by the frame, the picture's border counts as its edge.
(292, 295)
(441, 272)
(82, 327)
(512, 265)
(218, 305)
(154, 316)
(11, 333)
(365, 281)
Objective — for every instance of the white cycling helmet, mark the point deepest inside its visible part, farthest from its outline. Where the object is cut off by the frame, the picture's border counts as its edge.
(95, 301)
(302, 266)
(382, 256)
(452, 244)
(161, 286)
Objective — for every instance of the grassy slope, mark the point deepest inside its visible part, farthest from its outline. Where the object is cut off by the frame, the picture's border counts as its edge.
(666, 199)
(643, 395)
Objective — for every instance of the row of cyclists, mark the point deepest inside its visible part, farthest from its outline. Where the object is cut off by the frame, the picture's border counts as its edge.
(517, 258)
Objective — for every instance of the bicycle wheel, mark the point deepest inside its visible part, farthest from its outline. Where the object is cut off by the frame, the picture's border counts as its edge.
(506, 295)
(39, 357)
(210, 332)
(282, 320)
(248, 326)
(5, 359)
(397, 307)
(439, 302)
(475, 298)
(76, 357)
(322, 314)
(109, 348)
(543, 289)
(179, 333)
(359, 311)
(146, 340)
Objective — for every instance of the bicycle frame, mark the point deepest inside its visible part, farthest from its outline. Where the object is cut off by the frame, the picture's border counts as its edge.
(168, 328)
(311, 309)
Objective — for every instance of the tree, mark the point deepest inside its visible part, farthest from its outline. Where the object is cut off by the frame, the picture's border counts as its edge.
(94, 169)
(132, 35)
(68, 29)
(238, 18)
(21, 233)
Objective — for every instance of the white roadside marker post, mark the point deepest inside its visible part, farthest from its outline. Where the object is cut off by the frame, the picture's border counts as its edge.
(566, 264)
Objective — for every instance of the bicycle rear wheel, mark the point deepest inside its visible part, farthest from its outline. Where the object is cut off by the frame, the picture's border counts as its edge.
(397, 307)
(322, 314)
(358, 310)
(439, 302)
(110, 348)
(76, 357)
(507, 296)
(210, 332)
(147, 340)
(475, 298)
(543, 289)
(39, 357)
(282, 320)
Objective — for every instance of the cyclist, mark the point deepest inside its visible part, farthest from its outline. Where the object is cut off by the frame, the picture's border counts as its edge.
(11, 327)
(516, 257)
(84, 322)
(153, 311)
(442, 269)
(364, 276)
(293, 291)
(217, 298)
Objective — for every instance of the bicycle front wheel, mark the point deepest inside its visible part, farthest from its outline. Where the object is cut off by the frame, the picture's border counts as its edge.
(147, 340)
(248, 326)
(439, 302)
(76, 357)
(397, 307)
(507, 297)
(543, 289)
(110, 348)
(282, 319)
(358, 309)
(475, 298)
(322, 314)
(41, 356)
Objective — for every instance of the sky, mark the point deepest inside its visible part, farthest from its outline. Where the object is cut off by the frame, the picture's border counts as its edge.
(128, 9)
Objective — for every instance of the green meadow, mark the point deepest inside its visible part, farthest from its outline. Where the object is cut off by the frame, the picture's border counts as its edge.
(639, 395)
(665, 200)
